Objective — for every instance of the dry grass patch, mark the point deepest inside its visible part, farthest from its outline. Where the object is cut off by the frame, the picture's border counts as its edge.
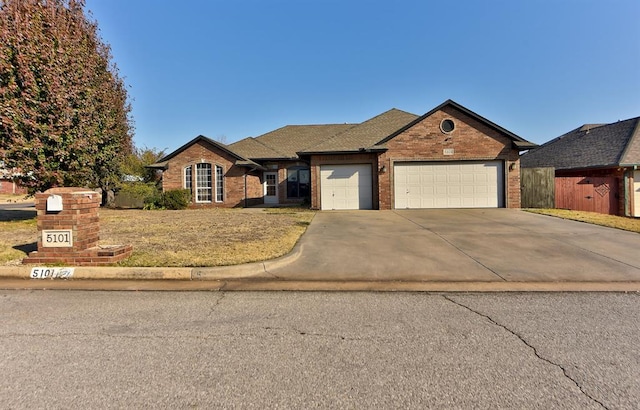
(16, 240)
(612, 221)
(9, 198)
(203, 237)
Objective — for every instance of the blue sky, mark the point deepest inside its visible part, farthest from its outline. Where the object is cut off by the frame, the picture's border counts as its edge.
(232, 69)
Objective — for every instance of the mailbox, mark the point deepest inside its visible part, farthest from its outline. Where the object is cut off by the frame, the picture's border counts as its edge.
(54, 203)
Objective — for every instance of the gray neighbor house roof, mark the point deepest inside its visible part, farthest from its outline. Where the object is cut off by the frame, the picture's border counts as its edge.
(590, 146)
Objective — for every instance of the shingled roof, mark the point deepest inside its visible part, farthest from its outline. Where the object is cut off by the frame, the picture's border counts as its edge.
(287, 141)
(240, 159)
(364, 135)
(252, 148)
(590, 146)
(292, 141)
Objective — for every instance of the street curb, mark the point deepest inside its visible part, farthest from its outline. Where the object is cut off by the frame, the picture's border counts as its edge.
(258, 277)
(259, 285)
(248, 270)
(426, 286)
(100, 272)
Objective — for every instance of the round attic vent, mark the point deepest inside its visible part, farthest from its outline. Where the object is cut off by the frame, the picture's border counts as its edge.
(447, 126)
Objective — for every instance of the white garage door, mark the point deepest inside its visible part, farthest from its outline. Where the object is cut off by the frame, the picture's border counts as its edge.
(345, 186)
(449, 185)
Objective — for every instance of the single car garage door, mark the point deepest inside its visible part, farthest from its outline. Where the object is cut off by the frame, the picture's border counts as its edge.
(467, 184)
(345, 186)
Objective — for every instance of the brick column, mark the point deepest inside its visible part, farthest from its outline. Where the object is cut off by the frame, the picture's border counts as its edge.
(70, 235)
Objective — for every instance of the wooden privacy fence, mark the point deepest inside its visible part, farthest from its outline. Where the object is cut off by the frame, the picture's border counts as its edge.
(592, 194)
(537, 187)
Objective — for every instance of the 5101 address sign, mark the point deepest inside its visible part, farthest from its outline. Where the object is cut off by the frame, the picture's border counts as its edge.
(59, 238)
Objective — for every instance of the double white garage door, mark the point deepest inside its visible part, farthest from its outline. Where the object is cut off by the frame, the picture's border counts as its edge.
(467, 184)
(449, 185)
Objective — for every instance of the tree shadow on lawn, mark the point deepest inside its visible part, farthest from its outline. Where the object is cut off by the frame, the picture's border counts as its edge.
(27, 248)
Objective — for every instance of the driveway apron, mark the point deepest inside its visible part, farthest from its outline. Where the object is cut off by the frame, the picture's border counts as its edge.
(461, 245)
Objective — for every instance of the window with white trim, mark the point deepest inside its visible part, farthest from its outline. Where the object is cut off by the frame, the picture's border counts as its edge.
(219, 184)
(203, 182)
(188, 178)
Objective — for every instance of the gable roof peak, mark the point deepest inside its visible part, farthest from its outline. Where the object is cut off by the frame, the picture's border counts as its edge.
(197, 139)
(589, 127)
(590, 146)
(518, 142)
(397, 110)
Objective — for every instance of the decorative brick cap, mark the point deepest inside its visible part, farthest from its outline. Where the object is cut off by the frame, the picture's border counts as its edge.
(70, 190)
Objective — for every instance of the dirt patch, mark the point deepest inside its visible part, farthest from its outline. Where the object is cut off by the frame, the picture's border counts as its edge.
(203, 237)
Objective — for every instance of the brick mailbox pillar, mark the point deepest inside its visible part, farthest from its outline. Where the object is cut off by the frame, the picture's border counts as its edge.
(69, 230)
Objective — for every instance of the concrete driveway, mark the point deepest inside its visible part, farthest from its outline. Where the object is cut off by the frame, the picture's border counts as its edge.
(482, 245)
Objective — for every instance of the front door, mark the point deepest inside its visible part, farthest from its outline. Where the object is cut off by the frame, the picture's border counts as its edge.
(270, 187)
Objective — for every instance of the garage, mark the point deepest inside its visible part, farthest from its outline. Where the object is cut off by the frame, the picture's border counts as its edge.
(463, 184)
(346, 186)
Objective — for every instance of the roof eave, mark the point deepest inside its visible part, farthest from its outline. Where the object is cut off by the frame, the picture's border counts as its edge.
(524, 145)
(608, 166)
(344, 152)
(274, 159)
(250, 164)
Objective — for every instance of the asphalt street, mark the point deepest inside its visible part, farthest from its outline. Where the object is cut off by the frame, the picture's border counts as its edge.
(78, 349)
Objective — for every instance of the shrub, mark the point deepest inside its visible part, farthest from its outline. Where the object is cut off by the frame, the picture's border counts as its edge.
(136, 195)
(154, 201)
(176, 199)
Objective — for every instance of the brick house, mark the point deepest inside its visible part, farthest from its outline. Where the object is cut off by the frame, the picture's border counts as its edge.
(9, 184)
(596, 167)
(449, 157)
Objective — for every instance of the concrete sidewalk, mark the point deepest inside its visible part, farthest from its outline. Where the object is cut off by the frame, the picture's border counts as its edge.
(419, 250)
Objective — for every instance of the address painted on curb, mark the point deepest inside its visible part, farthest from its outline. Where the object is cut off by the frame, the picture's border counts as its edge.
(51, 273)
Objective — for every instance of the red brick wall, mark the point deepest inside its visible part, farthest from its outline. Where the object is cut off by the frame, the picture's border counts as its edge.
(7, 186)
(318, 160)
(80, 214)
(234, 176)
(254, 189)
(470, 140)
